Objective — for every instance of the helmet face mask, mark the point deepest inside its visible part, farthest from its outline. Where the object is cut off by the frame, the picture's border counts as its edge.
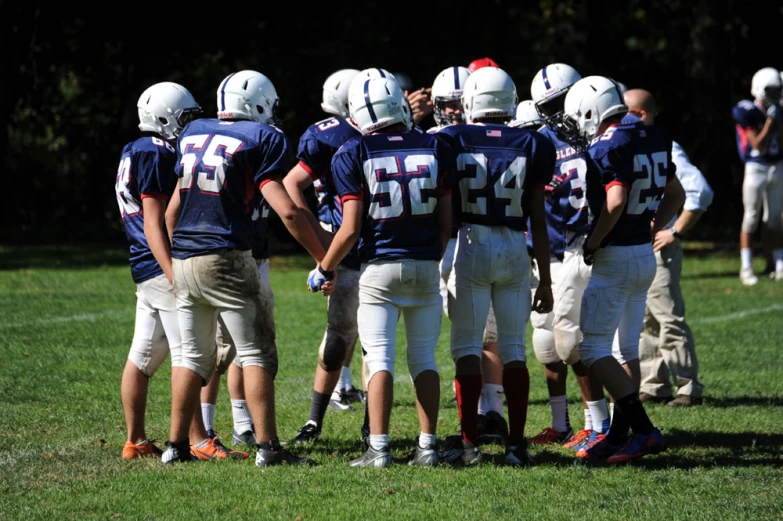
(766, 85)
(165, 108)
(548, 91)
(447, 92)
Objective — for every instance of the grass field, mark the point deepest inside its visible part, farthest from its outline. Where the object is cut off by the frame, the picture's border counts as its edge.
(66, 322)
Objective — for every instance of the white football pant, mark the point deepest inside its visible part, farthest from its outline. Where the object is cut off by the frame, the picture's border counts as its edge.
(156, 331)
(543, 324)
(762, 196)
(574, 276)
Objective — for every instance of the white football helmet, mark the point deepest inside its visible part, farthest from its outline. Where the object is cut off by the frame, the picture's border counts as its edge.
(377, 103)
(366, 74)
(247, 95)
(447, 87)
(335, 92)
(766, 85)
(489, 92)
(165, 108)
(526, 116)
(548, 90)
(589, 102)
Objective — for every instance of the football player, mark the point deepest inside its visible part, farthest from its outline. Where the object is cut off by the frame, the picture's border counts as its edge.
(637, 196)
(447, 97)
(392, 183)
(760, 142)
(225, 165)
(145, 180)
(501, 172)
(333, 386)
(526, 116)
(556, 335)
(666, 347)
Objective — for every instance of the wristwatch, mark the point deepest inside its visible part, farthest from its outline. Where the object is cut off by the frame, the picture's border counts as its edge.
(675, 233)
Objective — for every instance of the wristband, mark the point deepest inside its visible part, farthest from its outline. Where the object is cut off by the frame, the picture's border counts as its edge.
(328, 275)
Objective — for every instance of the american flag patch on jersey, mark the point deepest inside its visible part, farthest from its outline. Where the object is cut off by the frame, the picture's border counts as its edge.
(395, 138)
(493, 133)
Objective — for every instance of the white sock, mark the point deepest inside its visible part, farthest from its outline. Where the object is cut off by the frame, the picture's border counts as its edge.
(777, 254)
(379, 441)
(345, 382)
(588, 420)
(208, 415)
(746, 256)
(611, 411)
(202, 444)
(243, 422)
(599, 415)
(559, 406)
(491, 399)
(425, 440)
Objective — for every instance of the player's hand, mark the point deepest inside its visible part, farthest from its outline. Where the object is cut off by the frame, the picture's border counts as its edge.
(588, 254)
(772, 111)
(662, 239)
(543, 301)
(421, 103)
(317, 278)
(328, 287)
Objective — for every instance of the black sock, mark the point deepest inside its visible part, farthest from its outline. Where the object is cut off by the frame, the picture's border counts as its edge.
(366, 424)
(634, 413)
(318, 407)
(618, 430)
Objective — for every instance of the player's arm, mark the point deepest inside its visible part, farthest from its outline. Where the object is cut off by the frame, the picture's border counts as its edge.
(172, 212)
(543, 300)
(616, 198)
(760, 140)
(673, 199)
(346, 236)
(443, 215)
(154, 207)
(294, 219)
(296, 182)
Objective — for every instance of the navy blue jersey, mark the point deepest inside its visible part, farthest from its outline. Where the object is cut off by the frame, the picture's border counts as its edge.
(260, 220)
(639, 158)
(223, 166)
(455, 217)
(496, 166)
(317, 147)
(566, 205)
(400, 177)
(146, 170)
(750, 116)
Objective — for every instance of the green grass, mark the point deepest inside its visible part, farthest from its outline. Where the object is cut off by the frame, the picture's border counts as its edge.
(66, 322)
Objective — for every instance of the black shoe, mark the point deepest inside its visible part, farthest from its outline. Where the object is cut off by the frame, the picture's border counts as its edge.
(340, 402)
(355, 395)
(495, 429)
(246, 438)
(424, 457)
(373, 458)
(177, 452)
(308, 433)
(456, 450)
(272, 453)
(518, 456)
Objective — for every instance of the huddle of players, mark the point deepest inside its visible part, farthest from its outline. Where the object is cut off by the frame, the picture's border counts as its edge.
(582, 192)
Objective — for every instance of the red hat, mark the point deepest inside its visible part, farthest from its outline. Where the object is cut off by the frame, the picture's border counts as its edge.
(482, 62)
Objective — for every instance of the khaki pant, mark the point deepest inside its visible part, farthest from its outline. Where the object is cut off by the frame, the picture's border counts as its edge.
(666, 347)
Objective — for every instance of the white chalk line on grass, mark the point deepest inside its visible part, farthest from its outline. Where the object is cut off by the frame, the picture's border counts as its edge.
(738, 315)
(82, 317)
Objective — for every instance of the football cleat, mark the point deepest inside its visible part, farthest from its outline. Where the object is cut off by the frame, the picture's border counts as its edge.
(598, 448)
(373, 458)
(355, 395)
(747, 277)
(550, 435)
(132, 451)
(424, 457)
(246, 438)
(493, 429)
(458, 451)
(578, 439)
(272, 453)
(214, 450)
(639, 445)
(309, 432)
(518, 456)
(177, 452)
(341, 402)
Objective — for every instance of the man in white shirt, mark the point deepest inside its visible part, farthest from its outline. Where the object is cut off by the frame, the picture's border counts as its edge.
(666, 347)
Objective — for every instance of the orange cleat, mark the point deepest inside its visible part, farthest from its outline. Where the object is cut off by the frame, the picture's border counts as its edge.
(132, 451)
(216, 450)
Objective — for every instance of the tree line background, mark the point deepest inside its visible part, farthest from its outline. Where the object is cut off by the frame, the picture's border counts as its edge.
(71, 76)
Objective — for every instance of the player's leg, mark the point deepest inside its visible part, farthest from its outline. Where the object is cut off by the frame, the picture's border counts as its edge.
(773, 203)
(493, 427)
(753, 184)
(149, 349)
(677, 346)
(574, 276)
(378, 315)
(422, 313)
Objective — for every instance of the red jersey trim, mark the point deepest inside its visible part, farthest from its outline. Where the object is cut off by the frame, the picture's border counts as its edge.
(627, 186)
